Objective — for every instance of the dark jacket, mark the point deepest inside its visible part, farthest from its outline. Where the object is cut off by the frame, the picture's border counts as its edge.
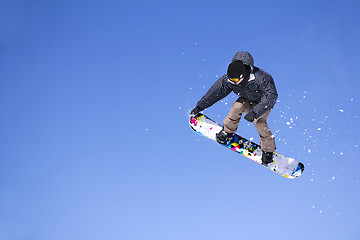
(259, 89)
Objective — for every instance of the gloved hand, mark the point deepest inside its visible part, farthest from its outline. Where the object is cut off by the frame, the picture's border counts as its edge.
(250, 116)
(195, 112)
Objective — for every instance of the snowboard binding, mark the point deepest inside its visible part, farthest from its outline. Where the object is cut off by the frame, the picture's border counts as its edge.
(223, 137)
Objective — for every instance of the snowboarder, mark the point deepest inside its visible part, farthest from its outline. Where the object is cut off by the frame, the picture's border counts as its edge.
(257, 96)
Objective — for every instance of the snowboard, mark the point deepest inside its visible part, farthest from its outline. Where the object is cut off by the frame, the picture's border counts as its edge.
(285, 166)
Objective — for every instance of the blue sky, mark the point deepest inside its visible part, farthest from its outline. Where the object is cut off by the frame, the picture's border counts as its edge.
(95, 98)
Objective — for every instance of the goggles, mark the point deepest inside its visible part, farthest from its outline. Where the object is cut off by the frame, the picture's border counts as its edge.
(235, 80)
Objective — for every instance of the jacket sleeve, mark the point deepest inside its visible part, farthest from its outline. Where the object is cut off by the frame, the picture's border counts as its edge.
(218, 91)
(269, 96)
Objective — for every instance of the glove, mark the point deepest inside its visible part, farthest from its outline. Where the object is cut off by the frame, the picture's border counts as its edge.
(195, 112)
(250, 116)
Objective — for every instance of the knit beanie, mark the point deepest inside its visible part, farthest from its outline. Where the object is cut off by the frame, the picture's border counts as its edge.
(237, 69)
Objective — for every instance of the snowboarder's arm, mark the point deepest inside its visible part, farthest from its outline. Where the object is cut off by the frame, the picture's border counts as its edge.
(218, 91)
(268, 98)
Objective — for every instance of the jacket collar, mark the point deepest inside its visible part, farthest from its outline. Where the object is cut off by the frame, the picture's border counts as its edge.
(252, 75)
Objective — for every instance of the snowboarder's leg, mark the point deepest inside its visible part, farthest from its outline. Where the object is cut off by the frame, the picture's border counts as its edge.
(267, 141)
(231, 121)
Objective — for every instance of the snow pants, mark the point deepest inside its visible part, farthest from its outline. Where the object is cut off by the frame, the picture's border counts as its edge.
(231, 123)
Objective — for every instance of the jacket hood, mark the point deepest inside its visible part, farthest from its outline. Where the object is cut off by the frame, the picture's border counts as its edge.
(244, 57)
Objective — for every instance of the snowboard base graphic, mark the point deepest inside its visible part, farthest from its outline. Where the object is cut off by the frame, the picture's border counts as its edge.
(285, 166)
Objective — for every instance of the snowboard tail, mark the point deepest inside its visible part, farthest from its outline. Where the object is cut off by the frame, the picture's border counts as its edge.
(285, 166)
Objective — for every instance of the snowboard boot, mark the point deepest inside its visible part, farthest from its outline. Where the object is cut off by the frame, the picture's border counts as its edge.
(223, 137)
(267, 157)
